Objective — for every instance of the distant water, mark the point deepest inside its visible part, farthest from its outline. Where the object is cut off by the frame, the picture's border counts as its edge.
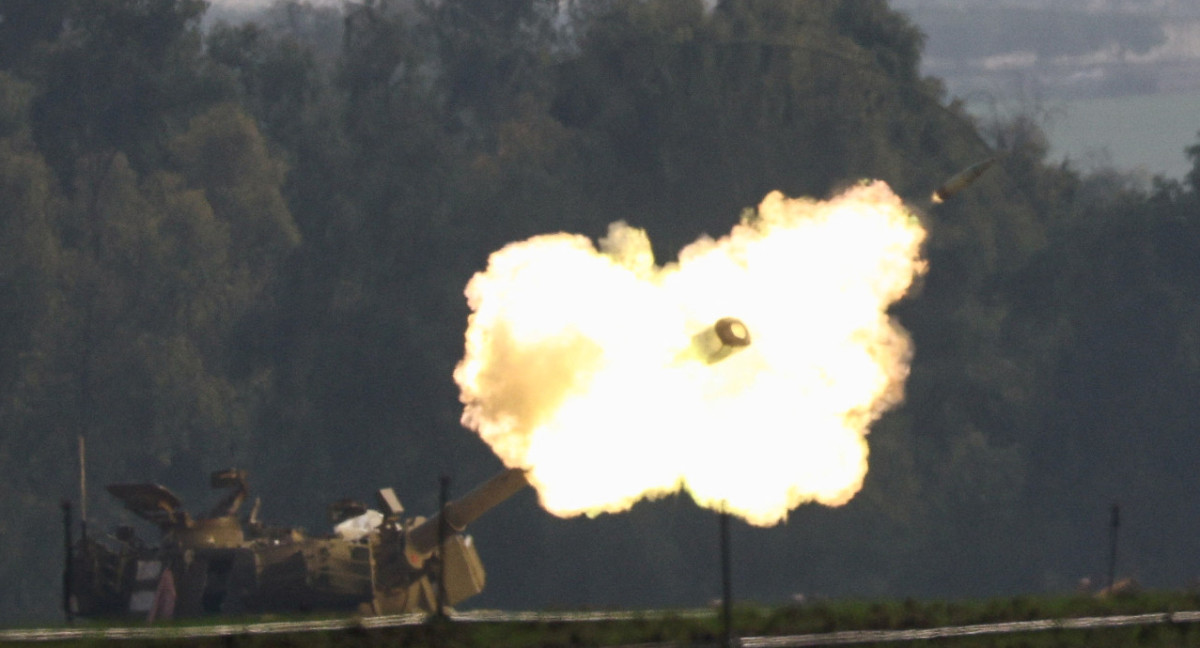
(1142, 133)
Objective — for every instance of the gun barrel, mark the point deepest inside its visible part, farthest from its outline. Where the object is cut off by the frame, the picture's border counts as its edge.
(465, 510)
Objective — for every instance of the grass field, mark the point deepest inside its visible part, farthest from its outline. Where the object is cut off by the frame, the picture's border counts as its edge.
(686, 629)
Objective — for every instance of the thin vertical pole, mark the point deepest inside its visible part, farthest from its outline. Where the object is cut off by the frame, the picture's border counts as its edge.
(443, 495)
(1115, 525)
(69, 567)
(726, 583)
(83, 518)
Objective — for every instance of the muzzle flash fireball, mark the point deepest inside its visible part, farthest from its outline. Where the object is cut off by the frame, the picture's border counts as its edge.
(747, 372)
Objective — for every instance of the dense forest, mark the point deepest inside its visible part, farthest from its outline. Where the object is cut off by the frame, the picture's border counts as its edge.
(245, 244)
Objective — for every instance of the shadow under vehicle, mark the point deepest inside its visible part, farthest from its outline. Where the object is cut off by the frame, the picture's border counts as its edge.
(226, 563)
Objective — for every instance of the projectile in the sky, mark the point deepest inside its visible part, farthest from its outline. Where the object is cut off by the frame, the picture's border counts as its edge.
(960, 180)
(718, 341)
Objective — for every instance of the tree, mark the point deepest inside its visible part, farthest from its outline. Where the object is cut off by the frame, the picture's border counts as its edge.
(121, 77)
(31, 267)
(132, 293)
(27, 26)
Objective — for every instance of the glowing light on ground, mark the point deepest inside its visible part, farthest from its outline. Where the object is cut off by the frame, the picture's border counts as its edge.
(584, 364)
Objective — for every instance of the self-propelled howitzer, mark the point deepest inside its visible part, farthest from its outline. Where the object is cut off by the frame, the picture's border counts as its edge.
(375, 561)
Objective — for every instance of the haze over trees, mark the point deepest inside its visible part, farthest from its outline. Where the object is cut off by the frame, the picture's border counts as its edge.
(246, 245)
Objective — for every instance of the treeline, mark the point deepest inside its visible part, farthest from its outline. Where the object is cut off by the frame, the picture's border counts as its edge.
(245, 244)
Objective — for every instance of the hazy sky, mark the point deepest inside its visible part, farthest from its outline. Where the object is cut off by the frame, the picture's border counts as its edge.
(1138, 133)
